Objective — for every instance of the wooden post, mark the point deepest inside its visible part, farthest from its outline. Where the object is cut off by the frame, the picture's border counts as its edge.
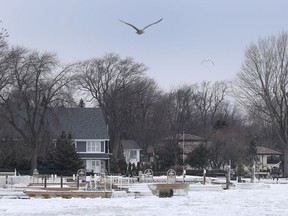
(61, 182)
(184, 173)
(45, 181)
(77, 181)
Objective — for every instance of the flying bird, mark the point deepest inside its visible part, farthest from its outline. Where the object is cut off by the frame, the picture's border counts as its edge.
(207, 60)
(141, 31)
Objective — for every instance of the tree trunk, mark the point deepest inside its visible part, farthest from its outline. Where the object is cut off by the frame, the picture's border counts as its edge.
(115, 139)
(115, 147)
(34, 158)
(285, 165)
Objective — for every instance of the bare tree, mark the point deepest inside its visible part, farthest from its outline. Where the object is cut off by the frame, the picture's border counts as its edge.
(140, 124)
(184, 109)
(3, 36)
(229, 137)
(191, 109)
(194, 107)
(36, 82)
(4, 67)
(262, 84)
(208, 99)
(3, 58)
(106, 79)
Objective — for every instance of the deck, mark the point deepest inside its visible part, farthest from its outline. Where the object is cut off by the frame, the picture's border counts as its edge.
(68, 193)
(169, 189)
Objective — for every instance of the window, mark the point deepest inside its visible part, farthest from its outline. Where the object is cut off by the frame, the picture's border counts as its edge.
(81, 146)
(94, 146)
(94, 165)
(90, 146)
(133, 154)
(273, 159)
(102, 146)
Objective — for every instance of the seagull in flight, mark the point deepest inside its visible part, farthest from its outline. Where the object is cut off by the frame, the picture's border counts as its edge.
(207, 60)
(141, 31)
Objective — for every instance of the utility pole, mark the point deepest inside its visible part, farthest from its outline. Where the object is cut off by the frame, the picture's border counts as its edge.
(228, 175)
(183, 147)
(253, 172)
(184, 171)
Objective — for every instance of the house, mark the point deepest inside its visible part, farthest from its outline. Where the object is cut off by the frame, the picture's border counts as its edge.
(188, 142)
(131, 151)
(89, 131)
(268, 159)
(150, 157)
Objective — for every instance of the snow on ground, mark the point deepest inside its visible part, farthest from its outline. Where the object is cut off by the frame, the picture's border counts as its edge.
(268, 201)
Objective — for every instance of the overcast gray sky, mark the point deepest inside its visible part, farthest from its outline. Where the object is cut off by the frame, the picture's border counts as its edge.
(191, 30)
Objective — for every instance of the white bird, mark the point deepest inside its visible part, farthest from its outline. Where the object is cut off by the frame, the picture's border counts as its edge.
(141, 31)
(207, 60)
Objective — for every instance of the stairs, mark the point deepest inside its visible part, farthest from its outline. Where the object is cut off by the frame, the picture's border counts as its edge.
(134, 189)
(12, 194)
(140, 189)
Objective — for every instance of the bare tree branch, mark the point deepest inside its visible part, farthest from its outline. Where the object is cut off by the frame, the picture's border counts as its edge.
(262, 84)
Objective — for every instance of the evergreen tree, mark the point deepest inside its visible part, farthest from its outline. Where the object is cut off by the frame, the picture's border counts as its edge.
(199, 157)
(138, 166)
(133, 169)
(81, 103)
(252, 151)
(129, 167)
(64, 159)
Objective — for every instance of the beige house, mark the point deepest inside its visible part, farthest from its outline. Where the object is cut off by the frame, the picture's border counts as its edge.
(188, 142)
(268, 159)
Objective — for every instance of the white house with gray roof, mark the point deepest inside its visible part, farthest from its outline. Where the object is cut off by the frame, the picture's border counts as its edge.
(131, 151)
(89, 131)
(268, 158)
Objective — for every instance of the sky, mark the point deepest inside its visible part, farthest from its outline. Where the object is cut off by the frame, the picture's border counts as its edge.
(173, 50)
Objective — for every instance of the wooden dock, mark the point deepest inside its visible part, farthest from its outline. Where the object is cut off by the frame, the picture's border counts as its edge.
(64, 193)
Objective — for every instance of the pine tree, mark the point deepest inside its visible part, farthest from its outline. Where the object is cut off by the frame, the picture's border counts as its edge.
(129, 167)
(81, 103)
(65, 159)
(252, 151)
(199, 157)
(138, 166)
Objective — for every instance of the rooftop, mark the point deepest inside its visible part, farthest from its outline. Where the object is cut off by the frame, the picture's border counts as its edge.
(130, 144)
(261, 150)
(82, 123)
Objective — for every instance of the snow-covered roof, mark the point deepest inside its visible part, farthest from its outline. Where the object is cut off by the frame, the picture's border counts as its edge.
(261, 150)
(130, 144)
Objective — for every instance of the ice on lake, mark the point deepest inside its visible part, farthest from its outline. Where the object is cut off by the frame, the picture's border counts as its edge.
(271, 200)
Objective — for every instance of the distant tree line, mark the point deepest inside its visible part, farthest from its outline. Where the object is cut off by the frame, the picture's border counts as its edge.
(134, 107)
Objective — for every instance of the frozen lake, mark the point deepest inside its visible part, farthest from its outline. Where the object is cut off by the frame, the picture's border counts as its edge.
(271, 200)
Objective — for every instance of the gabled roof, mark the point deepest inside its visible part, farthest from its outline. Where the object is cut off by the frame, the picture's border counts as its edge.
(187, 137)
(261, 150)
(129, 144)
(82, 123)
(190, 137)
